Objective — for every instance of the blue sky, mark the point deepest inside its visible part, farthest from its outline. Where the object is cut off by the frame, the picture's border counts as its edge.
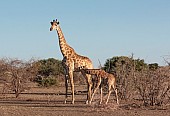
(94, 28)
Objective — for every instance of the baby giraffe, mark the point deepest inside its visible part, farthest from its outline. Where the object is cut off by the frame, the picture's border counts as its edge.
(102, 77)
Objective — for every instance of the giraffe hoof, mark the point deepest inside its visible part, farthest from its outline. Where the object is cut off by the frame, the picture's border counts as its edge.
(87, 102)
(72, 102)
(65, 101)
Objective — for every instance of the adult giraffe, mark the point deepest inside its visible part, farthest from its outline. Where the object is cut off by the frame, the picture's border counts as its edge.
(72, 60)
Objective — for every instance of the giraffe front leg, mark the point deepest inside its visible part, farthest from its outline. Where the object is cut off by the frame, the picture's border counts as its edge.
(72, 85)
(98, 84)
(66, 79)
(66, 87)
(101, 94)
(89, 86)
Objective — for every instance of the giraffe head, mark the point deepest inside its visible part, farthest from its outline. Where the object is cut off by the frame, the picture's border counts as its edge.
(54, 25)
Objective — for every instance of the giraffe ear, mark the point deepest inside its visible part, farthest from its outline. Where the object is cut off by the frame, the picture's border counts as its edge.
(58, 23)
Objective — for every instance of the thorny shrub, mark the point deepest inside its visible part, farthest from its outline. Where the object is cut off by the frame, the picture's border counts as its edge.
(15, 74)
(138, 80)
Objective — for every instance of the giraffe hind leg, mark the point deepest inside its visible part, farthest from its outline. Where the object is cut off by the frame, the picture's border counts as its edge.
(117, 100)
(108, 94)
(115, 90)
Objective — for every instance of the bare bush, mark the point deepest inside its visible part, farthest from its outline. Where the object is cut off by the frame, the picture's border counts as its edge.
(167, 60)
(153, 86)
(16, 73)
(138, 80)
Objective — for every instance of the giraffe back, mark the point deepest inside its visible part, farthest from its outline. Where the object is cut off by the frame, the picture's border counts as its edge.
(96, 72)
(82, 61)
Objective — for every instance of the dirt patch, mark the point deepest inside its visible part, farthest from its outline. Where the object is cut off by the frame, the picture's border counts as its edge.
(49, 102)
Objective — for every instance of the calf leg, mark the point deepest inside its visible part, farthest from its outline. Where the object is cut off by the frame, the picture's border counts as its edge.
(108, 94)
(101, 94)
(98, 84)
(117, 100)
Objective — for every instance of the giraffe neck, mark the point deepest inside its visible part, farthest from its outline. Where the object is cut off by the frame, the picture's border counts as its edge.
(66, 50)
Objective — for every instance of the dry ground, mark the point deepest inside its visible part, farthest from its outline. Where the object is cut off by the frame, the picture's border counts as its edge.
(49, 102)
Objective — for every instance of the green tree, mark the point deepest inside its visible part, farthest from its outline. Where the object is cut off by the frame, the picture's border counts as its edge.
(48, 71)
(114, 63)
(153, 66)
(49, 67)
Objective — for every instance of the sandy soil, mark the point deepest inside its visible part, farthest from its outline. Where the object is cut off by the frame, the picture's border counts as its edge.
(49, 102)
